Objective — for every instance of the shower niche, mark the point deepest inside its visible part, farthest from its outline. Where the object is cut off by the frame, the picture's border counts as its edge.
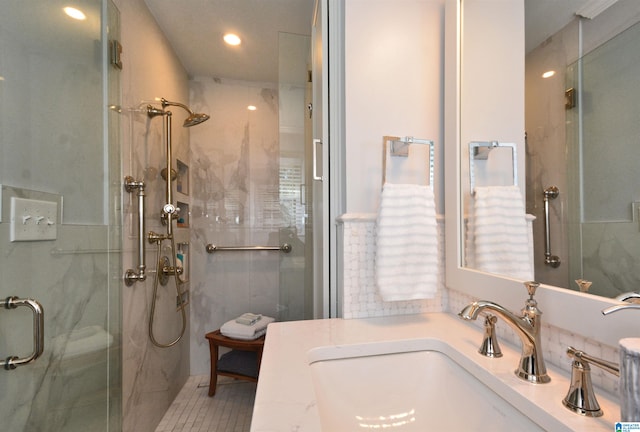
(183, 217)
(182, 180)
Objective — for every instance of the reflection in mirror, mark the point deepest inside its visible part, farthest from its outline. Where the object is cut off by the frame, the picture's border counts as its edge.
(496, 235)
(582, 128)
(581, 74)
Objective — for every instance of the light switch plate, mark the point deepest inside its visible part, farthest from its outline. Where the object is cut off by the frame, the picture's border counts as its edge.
(33, 220)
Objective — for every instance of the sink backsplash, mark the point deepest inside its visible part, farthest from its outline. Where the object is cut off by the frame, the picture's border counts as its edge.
(361, 300)
(360, 295)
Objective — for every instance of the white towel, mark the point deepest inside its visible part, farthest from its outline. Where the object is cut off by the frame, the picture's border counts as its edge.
(498, 233)
(407, 243)
(248, 318)
(236, 330)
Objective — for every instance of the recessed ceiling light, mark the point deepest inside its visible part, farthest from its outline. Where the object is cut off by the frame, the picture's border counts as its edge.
(548, 74)
(252, 108)
(75, 13)
(232, 39)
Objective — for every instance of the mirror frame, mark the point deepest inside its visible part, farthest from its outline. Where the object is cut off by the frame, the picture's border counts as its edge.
(566, 309)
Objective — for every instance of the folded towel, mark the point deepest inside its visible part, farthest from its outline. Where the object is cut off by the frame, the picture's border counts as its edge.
(241, 336)
(248, 318)
(407, 258)
(236, 330)
(498, 235)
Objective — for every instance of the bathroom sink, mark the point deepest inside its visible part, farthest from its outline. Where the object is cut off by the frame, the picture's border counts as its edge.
(381, 385)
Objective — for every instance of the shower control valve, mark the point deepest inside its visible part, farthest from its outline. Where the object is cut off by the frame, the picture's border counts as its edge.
(169, 209)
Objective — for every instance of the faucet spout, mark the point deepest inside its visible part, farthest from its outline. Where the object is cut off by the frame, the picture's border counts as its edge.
(631, 297)
(527, 327)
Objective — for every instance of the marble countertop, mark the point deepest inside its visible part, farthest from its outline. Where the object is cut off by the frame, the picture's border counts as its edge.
(285, 398)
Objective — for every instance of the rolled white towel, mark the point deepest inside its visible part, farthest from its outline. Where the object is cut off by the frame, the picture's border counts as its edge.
(236, 330)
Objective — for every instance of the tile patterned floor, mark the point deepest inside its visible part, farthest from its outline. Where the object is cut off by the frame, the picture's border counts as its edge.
(229, 410)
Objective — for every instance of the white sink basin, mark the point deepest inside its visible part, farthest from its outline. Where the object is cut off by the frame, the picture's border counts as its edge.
(382, 386)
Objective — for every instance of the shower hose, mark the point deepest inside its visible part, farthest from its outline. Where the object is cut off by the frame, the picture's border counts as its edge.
(155, 292)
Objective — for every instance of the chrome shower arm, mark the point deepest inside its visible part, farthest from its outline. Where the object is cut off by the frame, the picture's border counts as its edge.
(166, 103)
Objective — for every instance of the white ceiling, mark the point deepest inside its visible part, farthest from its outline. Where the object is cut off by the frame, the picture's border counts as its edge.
(543, 18)
(195, 29)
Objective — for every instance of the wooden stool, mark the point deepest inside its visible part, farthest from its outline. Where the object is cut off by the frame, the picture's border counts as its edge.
(217, 339)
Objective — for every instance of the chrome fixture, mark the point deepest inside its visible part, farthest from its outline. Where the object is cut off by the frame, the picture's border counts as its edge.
(630, 300)
(550, 193)
(490, 347)
(169, 213)
(581, 398)
(583, 285)
(479, 150)
(630, 297)
(131, 276)
(625, 305)
(527, 327)
(13, 302)
(285, 248)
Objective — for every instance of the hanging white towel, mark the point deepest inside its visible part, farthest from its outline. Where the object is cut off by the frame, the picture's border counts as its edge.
(407, 258)
(236, 330)
(498, 233)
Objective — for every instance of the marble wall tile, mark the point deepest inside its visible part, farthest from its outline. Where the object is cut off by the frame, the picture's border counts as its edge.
(152, 376)
(67, 388)
(235, 160)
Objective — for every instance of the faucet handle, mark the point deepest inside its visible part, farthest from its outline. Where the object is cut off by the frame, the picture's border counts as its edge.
(532, 286)
(490, 347)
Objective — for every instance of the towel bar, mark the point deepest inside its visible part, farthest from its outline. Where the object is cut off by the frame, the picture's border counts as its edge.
(399, 147)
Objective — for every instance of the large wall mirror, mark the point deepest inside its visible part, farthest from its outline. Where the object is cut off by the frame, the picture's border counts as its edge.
(484, 102)
(579, 158)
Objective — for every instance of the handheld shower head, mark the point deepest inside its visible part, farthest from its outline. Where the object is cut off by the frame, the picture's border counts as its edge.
(193, 119)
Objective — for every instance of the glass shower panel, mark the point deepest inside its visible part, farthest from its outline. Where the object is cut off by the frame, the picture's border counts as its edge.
(602, 136)
(55, 87)
(610, 93)
(295, 184)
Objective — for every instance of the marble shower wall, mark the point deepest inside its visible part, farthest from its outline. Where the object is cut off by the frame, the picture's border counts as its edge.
(152, 376)
(235, 202)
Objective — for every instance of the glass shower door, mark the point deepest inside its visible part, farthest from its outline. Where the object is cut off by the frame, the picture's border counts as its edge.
(296, 187)
(59, 216)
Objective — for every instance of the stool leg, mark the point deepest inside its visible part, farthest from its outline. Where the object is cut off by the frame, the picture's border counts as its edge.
(213, 380)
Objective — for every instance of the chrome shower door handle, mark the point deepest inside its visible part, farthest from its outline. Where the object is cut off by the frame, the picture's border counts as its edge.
(13, 362)
(315, 159)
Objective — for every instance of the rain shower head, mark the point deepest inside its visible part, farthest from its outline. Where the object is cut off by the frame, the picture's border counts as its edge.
(193, 119)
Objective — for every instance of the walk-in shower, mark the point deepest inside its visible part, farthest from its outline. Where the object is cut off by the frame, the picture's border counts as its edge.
(166, 267)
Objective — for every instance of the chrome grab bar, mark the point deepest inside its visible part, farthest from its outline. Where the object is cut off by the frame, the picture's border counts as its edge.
(131, 276)
(285, 247)
(550, 193)
(13, 362)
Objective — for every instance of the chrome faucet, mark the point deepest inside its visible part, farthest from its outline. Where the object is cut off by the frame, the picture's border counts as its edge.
(630, 300)
(581, 398)
(527, 327)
